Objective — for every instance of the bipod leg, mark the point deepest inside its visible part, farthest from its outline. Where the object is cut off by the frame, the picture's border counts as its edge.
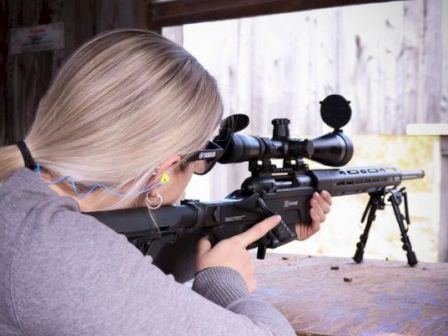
(395, 199)
(374, 203)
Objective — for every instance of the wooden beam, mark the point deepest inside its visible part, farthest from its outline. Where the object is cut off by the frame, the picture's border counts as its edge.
(178, 12)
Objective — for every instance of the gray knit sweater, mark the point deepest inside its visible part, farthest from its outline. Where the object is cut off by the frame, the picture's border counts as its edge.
(64, 273)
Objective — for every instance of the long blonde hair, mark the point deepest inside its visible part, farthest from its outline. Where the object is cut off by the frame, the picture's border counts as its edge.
(123, 103)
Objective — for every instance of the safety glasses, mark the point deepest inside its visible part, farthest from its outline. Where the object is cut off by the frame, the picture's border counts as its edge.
(205, 159)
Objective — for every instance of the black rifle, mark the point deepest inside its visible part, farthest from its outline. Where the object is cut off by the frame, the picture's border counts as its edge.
(272, 190)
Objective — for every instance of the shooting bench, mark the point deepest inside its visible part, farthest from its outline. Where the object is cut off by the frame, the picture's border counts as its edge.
(336, 296)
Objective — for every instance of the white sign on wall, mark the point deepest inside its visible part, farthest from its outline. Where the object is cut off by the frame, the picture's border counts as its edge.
(36, 38)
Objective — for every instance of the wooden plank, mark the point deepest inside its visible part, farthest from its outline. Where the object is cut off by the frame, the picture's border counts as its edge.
(178, 12)
(57, 15)
(142, 18)
(444, 51)
(431, 62)
(117, 14)
(383, 297)
(443, 228)
(29, 74)
(3, 72)
(85, 11)
(69, 9)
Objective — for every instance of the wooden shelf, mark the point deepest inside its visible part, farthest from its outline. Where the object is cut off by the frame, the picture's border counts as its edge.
(427, 129)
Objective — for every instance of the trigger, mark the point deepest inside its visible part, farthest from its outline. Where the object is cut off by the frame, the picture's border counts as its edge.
(261, 251)
(212, 238)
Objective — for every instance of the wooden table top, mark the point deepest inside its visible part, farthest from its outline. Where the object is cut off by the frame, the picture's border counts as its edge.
(377, 298)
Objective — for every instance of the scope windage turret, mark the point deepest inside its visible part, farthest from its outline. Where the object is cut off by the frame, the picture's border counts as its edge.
(332, 149)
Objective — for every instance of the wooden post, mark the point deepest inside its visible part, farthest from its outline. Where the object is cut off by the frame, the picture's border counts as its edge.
(443, 231)
(149, 19)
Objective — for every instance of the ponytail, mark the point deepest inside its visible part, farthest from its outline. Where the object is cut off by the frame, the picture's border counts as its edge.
(10, 161)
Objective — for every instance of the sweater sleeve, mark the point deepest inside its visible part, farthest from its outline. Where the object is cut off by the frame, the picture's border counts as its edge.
(73, 276)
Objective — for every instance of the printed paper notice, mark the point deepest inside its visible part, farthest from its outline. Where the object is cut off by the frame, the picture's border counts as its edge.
(37, 38)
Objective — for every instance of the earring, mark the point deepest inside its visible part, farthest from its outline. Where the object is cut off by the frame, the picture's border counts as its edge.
(153, 206)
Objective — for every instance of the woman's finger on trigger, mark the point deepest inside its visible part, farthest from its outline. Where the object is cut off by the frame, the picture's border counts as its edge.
(203, 246)
(259, 230)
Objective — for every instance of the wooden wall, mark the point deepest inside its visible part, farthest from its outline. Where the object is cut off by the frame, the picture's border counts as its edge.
(24, 78)
(389, 59)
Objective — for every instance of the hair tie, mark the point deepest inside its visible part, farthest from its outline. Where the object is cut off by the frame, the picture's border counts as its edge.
(26, 154)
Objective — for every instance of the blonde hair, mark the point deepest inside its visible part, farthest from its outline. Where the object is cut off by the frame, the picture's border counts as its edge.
(123, 103)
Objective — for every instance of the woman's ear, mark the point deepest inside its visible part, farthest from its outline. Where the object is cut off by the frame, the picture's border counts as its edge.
(178, 178)
(164, 166)
(168, 163)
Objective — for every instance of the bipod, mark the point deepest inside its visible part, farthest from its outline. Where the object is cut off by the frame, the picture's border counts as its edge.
(377, 202)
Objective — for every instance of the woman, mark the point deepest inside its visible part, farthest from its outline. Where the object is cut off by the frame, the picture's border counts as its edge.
(125, 109)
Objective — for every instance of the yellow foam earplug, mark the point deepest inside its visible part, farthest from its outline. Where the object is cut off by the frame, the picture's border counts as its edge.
(165, 179)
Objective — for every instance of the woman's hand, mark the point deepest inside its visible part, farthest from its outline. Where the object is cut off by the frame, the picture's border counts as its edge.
(320, 207)
(232, 252)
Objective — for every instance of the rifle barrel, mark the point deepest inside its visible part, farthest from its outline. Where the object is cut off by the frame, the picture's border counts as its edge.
(412, 174)
(356, 180)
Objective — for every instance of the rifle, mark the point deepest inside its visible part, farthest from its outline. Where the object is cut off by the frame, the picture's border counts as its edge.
(270, 190)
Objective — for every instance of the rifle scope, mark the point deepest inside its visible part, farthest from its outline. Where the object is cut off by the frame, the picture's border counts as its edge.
(332, 149)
